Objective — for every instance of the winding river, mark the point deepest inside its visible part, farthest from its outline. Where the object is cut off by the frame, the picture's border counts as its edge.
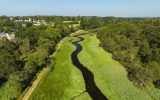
(88, 76)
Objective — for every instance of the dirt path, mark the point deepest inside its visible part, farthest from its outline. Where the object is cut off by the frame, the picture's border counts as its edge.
(35, 83)
(39, 78)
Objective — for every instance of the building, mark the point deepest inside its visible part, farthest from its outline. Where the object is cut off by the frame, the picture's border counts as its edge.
(7, 36)
(24, 25)
(37, 24)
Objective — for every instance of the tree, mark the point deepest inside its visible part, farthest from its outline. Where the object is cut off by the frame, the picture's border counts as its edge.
(145, 52)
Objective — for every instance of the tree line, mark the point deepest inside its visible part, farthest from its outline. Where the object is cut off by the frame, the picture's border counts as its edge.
(136, 45)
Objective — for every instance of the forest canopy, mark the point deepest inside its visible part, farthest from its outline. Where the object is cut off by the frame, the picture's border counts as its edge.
(137, 47)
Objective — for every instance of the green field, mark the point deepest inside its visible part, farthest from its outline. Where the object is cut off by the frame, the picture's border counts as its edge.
(66, 81)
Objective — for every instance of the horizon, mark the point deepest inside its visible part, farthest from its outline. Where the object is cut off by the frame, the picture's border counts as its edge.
(103, 8)
(74, 16)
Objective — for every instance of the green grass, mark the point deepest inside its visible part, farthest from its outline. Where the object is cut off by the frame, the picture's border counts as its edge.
(110, 75)
(65, 81)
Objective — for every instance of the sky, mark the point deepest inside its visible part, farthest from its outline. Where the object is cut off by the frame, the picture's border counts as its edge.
(117, 8)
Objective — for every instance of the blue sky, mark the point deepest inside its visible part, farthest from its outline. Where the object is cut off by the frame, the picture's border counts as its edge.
(120, 8)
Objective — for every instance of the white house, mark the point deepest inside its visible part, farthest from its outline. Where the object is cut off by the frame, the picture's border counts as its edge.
(11, 18)
(8, 36)
(37, 24)
(24, 25)
(28, 20)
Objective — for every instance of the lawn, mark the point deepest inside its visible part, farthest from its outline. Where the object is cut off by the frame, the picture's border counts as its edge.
(110, 75)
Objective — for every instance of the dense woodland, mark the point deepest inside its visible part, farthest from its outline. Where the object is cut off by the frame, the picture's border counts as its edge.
(136, 44)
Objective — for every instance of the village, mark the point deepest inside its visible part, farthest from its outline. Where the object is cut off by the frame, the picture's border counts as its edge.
(11, 35)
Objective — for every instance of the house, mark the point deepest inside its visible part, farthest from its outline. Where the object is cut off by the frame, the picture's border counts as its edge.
(44, 22)
(37, 23)
(28, 20)
(52, 24)
(24, 25)
(10, 18)
(6, 35)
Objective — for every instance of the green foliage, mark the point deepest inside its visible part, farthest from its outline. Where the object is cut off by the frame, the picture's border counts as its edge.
(90, 22)
(8, 63)
(22, 58)
(52, 33)
(136, 47)
(10, 90)
(153, 34)
(156, 55)
(145, 52)
(24, 46)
